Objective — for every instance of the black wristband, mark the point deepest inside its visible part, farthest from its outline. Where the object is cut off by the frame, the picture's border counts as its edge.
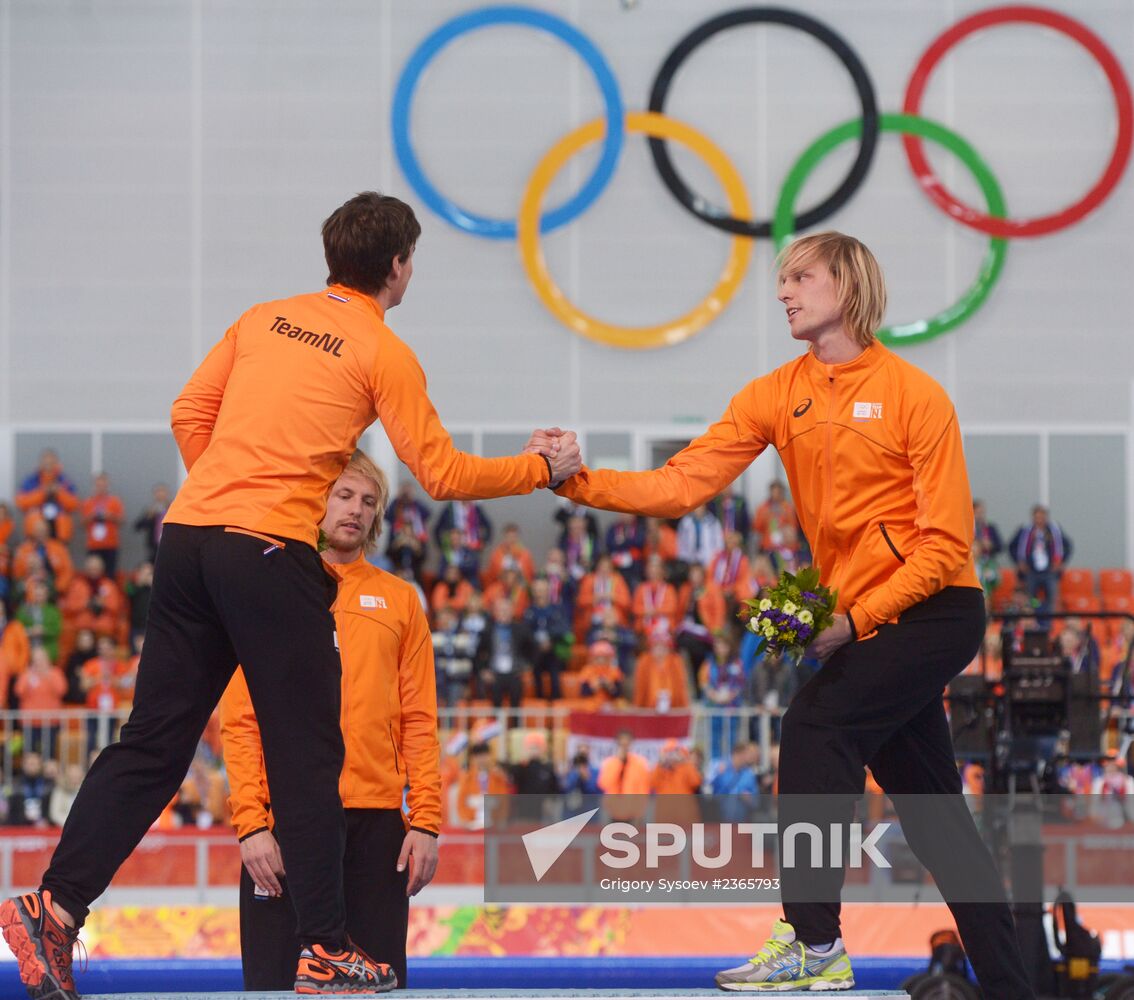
(262, 829)
(853, 630)
(551, 483)
(421, 829)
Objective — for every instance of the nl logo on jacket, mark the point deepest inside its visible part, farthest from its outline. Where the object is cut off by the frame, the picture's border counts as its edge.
(867, 411)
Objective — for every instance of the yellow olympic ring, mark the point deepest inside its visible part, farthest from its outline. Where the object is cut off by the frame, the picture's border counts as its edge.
(633, 337)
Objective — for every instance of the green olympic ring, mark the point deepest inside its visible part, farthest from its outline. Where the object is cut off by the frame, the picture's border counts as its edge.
(922, 329)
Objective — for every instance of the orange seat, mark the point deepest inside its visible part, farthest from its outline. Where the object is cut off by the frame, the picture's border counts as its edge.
(570, 685)
(1080, 604)
(1076, 582)
(533, 713)
(1116, 582)
(1002, 595)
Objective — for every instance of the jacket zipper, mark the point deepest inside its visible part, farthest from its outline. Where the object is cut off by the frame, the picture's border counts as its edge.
(893, 547)
(394, 747)
(830, 463)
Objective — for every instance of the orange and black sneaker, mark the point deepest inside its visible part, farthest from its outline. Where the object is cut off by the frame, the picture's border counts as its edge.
(324, 970)
(42, 945)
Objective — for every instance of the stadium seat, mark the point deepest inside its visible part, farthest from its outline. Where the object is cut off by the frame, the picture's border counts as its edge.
(1116, 582)
(570, 685)
(1076, 582)
(1002, 595)
(1080, 604)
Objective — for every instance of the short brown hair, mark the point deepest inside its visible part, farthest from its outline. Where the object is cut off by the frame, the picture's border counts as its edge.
(364, 465)
(362, 238)
(862, 289)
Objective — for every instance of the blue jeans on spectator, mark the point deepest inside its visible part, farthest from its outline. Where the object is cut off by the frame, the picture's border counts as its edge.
(1045, 583)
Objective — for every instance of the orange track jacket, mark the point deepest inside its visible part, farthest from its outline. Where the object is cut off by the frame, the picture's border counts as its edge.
(268, 421)
(389, 711)
(872, 450)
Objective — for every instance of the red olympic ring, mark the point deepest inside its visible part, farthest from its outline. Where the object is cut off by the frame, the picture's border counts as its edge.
(1041, 225)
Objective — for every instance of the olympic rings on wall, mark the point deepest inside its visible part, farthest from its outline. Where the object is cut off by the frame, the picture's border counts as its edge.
(658, 128)
(653, 124)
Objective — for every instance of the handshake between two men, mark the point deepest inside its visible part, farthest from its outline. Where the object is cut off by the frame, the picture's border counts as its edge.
(560, 448)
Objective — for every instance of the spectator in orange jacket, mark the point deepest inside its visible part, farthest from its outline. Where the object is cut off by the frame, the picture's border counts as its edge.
(676, 781)
(703, 613)
(600, 679)
(655, 601)
(107, 679)
(624, 772)
(599, 590)
(93, 600)
(53, 555)
(48, 497)
(482, 777)
(40, 688)
(15, 651)
(511, 586)
(103, 514)
(390, 699)
(661, 540)
(729, 568)
(451, 591)
(511, 553)
(772, 517)
(660, 680)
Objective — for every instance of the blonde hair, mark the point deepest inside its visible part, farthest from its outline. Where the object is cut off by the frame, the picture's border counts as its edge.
(363, 465)
(861, 287)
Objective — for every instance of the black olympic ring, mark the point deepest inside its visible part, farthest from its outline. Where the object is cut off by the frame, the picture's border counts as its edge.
(846, 55)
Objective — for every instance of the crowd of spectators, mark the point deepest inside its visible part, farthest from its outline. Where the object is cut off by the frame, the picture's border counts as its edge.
(638, 614)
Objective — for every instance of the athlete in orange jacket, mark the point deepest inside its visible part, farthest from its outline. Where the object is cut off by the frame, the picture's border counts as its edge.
(265, 425)
(872, 450)
(389, 723)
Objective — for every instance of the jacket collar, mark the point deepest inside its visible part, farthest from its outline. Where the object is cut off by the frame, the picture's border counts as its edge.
(867, 361)
(366, 301)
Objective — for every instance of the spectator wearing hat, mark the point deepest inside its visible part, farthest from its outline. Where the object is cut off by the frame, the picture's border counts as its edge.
(660, 681)
(601, 680)
(676, 781)
(533, 779)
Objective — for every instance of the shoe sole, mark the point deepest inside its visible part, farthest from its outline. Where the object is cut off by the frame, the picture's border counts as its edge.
(818, 986)
(30, 960)
(366, 991)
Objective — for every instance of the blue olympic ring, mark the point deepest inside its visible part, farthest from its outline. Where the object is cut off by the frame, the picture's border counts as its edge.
(481, 225)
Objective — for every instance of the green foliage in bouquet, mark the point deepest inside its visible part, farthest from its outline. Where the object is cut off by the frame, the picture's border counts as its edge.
(788, 616)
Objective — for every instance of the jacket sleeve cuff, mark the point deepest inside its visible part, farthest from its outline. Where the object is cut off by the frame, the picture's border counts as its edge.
(853, 628)
(253, 833)
(862, 621)
(421, 829)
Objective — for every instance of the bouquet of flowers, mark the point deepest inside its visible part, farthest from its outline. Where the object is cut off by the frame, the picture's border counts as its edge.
(789, 616)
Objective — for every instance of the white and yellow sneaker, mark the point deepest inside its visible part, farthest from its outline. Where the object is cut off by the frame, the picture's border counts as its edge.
(786, 964)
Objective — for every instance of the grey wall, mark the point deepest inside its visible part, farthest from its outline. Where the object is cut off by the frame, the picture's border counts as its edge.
(165, 164)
